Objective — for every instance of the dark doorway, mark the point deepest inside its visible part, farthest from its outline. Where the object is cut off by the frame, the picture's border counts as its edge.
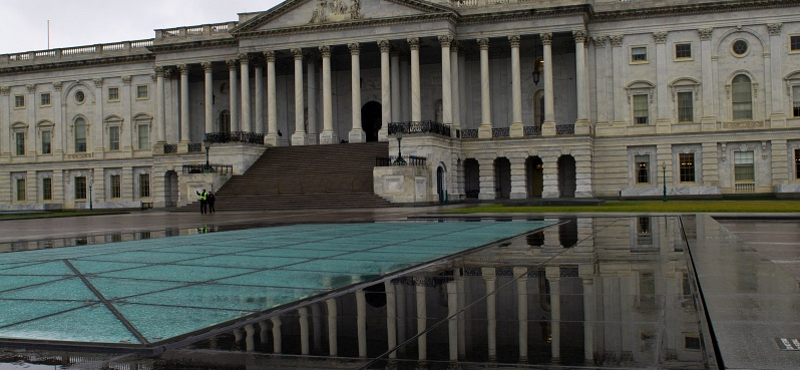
(502, 178)
(371, 120)
(472, 186)
(171, 189)
(441, 187)
(566, 176)
(535, 179)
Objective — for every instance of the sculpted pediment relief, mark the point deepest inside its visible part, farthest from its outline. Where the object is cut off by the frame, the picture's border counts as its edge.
(336, 10)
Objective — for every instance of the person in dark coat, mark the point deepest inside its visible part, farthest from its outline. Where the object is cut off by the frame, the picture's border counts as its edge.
(203, 196)
(210, 199)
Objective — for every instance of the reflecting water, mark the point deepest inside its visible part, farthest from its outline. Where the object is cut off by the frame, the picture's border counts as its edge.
(588, 292)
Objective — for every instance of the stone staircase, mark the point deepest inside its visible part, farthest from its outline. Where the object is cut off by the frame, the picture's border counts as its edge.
(305, 177)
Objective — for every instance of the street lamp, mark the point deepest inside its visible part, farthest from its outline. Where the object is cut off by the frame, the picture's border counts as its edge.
(664, 171)
(207, 144)
(399, 161)
(91, 182)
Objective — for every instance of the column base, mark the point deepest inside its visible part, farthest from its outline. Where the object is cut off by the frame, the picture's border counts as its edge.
(709, 123)
(518, 195)
(582, 127)
(299, 138)
(271, 139)
(777, 120)
(383, 134)
(158, 147)
(313, 138)
(517, 130)
(328, 137)
(549, 128)
(357, 135)
(485, 131)
(183, 146)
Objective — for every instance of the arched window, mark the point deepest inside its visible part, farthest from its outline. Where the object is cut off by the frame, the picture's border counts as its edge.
(80, 135)
(742, 97)
(538, 108)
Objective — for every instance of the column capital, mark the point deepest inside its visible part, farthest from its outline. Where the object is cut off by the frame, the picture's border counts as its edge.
(5, 90)
(231, 63)
(616, 40)
(57, 85)
(325, 50)
(600, 41)
(159, 71)
(126, 80)
(244, 58)
(660, 37)
(445, 40)
(98, 82)
(514, 40)
(206, 66)
(484, 43)
(413, 43)
(547, 38)
(168, 72)
(774, 29)
(297, 53)
(269, 55)
(385, 46)
(183, 69)
(705, 33)
(355, 48)
(32, 88)
(454, 46)
(580, 36)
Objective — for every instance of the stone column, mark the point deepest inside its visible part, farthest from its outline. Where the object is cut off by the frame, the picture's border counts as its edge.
(422, 320)
(258, 100)
(586, 273)
(581, 83)
(709, 120)
(778, 116)
(303, 319)
(361, 322)
(601, 64)
(553, 274)
(244, 61)
(94, 139)
(333, 345)
(161, 115)
(276, 335)
(549, 125)
(395, 72)
(250, 343)
(233, 89)
(519, 183)
(416, 103)
(272, 101)
(521, 275)
(328, 136)
(486, 178)
(386, 90)
(208, 96)
(516, 129)
(663, 114)
(452, 321)
(58, 134)
(485, 129)
(455, 91)
(391, 318)
(490, 278)
(618, 96)
(356, 134)
(313, 139)
(550, 174)
(299, 137)
(447, 93)
(185, 139)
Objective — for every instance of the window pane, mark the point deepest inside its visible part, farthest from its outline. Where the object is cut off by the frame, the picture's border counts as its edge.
(46, 142)
(80, 135)
(797, 163)
(116, 189)
(639, 54)
(20, 139)
(744, 170)
(742, 98)
(642, 169)
(141, 91)
(640, 109)
(685, 107)
(47, 188)
(144, 137)
(19, 101)
(20, 190)
(45, 99)
(683, 50)
(113, 137)
(796, 100)
(144, 185)
(687, 167)
(80, 188)
(113, 93)
(795, 43)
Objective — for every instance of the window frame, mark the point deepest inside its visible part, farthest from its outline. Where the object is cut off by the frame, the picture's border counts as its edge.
(80, 188)
(142, 92)
(735, 103)
(48, 133)
(21, 193)
(19, 143)
(47, 189)
(687, 170)
(794, 91)
(683, 58)
(738, 168)
(641, 162)
(683, 109)
(42, 99)
(113, 139)
(144, 185)
(113, 94)
(85, 128)
(115, 186)
(797, 163)
(633, 54)
(733, 48)
(19, 101)
(646, 102)
(794, 40)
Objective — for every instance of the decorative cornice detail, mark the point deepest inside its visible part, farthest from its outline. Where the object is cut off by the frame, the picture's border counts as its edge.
(355, 48)
(616, 40)
(31, 88)
(547, 38)
(484, 43)
(705, 33)
(385, 46)
(660, 37)
(297, 53)
(98, 82)
(325, 51)
(774, 29)
(168, 72)
(269, 55)
(159, 71)
(5, 90)
(691, 8)
(244, 58)
(580, 36)
(57, 85)
(183, 69)
(231, 63)
(206, 66)
(600, 41)
(77, 64)
(413, 43)
(445, 40)
(126, 80)
(514, 41)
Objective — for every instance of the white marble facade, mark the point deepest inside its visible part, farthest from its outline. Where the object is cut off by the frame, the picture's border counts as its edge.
(563, 98)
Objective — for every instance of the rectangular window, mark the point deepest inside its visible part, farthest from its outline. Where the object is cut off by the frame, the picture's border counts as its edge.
(796, 100)
(643, 235)
(744, 172)
(47, 188)
(692, 342)
(642, 169)
(19, 101)
(113, 94)
(20, 190)
(80, 188)
(686, 166)
(116, 186)
(113, 138)
(144, 137)
(683, 51)
(141, 92)
(80, 138)
(640, 109)
(19, 138)
(144, 185)
(797, 163)
(46, 139)
(44, 99)
(639, 54)
(685, 107)
(794, 43)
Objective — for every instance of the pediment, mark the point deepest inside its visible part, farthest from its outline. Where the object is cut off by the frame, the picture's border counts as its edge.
(305, 13)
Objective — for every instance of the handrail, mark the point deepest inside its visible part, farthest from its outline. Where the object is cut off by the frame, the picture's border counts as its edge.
(419, 127)
(234, 137)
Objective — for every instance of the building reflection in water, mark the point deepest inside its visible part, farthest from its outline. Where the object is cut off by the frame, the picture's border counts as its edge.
(594, 292)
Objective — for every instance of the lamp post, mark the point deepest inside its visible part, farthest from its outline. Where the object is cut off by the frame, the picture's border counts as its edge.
(664, 172)
(207, 144)
(399, 161)
(91, 182)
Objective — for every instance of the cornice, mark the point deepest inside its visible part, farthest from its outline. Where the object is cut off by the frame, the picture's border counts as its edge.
(77, 64)
(689, 9)
(523, 14)
(199, 44)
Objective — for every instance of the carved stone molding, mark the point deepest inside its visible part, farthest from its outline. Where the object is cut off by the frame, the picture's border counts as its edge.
(413, 43)
(231, 63)
(206, 67)
(454, 46)
(244, 58)
(514, 40)
(57, 85)
(705, 33)
(168, 73)
(600, 41)
(183, 69)
(126, 80)
(660, 37)
(269, 55)
(355, 48)
(297, 53)
(484, 43)
(32, 88)
(98, 82)
(385, 46)
(324, 49)
(445, 41)
(616, 40)
(774, 29)
(580, 36)
(547, 38)
(5, 90)
(159, 71)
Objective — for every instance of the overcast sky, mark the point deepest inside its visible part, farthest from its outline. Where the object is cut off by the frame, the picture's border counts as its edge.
(86, 22)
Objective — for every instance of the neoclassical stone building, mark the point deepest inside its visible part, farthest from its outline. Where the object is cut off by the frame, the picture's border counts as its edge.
(505, 99)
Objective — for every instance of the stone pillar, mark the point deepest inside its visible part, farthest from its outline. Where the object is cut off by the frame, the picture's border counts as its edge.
(422, 320)
(247, 123)
(264, 332)
(452, 321)
(549, 125)
(185, 139)
(272, 101)
(208, 96)
(258, 100)
(447, 107)
(780, 172)
(58, 119)
(583, 172)
(233, 89)
(485, 129)
(161, 116)
(333, 345)
(94, 133)
(361, 322)
(328, 136)
(386, 90)
(549, 175)
(662, 84)
(618, 96)
(302, 314)
(299, 137)
(709, 119)
(516, 129)
(250, 343)
(405, 88)
(391, 318)
(486, 178)
(553, 274)
(519, 181)
(276, 335)
(775, 107)
(313, 138)
(710, 164)
(416, 103)
(521, 275)
(581, 83)
(455, 91)
(602, 75)
(490, 278)
(356, 134)
(586, 273)
(395, 72)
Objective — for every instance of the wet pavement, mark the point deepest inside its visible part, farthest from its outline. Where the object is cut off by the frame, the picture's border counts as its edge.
(588, 291)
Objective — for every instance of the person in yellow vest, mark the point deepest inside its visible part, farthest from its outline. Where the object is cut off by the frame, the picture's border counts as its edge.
(203, 197)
